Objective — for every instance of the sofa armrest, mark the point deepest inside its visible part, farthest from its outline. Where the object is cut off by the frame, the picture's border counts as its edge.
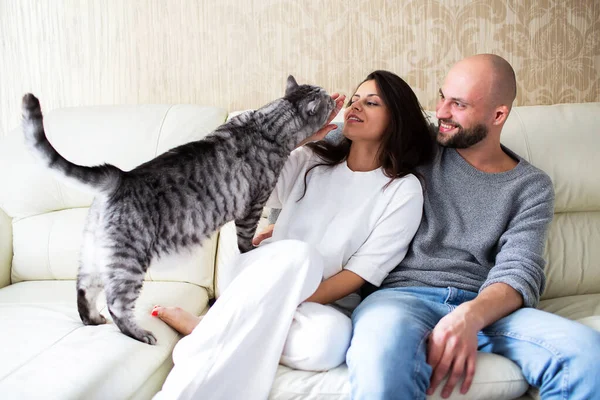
(5, 248)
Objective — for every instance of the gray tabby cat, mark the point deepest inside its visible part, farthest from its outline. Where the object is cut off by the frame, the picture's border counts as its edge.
(179, 198)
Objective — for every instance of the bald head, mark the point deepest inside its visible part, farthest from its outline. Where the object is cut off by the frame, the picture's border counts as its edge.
(493, 75)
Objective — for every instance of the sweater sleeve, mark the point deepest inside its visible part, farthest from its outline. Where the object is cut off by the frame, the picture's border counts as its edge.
(519, 262)
(294, 166)
(388, 242)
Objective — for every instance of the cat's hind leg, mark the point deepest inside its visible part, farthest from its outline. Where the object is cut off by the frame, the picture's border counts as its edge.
(89, 281)
(88, 289)
(123, 281)
(246, 227)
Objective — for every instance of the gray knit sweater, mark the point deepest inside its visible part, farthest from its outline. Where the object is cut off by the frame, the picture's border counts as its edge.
(480, 228)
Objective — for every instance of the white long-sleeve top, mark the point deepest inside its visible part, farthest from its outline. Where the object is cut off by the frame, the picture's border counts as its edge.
(351, 218)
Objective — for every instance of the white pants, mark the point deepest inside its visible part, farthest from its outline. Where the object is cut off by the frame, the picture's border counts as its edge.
(256, 323)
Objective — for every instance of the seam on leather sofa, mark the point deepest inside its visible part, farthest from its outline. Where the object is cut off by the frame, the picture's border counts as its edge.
(6, 248)
(338, 393)
(525, 137)
(575, 212)
(38, 354)
(48, 250)
(154, 383)
(162, 123)
(216, 268)
(61, 194)
(319, 394)
(285, 391)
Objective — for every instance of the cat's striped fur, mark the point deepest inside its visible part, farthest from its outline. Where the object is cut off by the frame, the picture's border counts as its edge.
(179, 198)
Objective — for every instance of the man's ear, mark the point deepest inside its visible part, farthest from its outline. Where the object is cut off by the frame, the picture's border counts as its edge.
(500, 115)
(291, 85)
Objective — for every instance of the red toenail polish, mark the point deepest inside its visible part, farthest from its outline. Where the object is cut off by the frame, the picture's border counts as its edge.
(154, 313)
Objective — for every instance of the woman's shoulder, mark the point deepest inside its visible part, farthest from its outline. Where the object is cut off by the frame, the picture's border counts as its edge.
(302, 156)
(302, 152)
(409, 184)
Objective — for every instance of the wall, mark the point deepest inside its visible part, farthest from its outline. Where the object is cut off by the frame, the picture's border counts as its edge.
(237, 53)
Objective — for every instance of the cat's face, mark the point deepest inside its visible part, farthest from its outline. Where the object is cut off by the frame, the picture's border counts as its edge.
(312, 102)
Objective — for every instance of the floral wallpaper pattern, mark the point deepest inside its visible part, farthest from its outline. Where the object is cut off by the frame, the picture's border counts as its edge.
(236, 54)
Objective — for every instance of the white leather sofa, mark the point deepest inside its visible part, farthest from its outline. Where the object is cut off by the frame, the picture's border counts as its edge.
(45, 350)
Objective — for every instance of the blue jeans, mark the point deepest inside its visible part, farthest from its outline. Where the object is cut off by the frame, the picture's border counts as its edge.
(387, 359)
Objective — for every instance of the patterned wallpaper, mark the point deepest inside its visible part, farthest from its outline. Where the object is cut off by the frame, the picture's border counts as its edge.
(237, 53)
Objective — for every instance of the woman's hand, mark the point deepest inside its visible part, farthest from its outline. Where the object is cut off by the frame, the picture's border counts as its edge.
(265, 234)
(339, 103)
(328, 127)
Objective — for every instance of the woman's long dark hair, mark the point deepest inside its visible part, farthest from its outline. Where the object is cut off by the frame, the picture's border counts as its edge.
(407, 141)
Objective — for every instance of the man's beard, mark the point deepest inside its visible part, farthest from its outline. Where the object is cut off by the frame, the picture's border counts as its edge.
(464, 138)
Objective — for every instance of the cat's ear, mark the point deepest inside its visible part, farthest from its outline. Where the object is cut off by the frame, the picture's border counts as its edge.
(291, 85)
(311, 107)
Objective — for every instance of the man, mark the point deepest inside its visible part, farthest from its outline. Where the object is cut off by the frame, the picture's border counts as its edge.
(475, 270)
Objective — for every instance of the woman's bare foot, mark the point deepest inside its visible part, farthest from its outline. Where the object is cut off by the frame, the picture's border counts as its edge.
(177, 318)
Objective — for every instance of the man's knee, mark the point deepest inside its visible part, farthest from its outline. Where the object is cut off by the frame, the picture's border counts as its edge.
(388, 346)
(586, 350)
(392, 318)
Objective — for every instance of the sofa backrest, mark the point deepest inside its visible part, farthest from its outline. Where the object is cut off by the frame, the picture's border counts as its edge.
(563, 140)
(48, 216)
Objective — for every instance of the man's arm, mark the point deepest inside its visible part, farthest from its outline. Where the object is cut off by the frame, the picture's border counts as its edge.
(516, 280)
(494, 302)
(519, 262)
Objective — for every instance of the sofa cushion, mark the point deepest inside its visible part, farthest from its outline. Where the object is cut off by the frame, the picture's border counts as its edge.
(58, 236)
(581, 308)
(573, 254)
(41, 331)
(495, 378)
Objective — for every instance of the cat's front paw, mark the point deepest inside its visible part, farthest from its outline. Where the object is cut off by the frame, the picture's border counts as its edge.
(147, 337)
(245, 246)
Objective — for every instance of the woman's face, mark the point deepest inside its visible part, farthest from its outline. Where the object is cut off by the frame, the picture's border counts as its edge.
(367, 117)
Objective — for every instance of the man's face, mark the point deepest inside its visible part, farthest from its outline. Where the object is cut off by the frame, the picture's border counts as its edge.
(461, 110)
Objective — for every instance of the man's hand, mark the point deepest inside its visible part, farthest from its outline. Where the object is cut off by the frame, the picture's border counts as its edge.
(452, 349)
(452, 345)
(328, 127)
(265, 234)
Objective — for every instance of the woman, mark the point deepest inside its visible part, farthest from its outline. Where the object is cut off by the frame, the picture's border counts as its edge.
(349, 212)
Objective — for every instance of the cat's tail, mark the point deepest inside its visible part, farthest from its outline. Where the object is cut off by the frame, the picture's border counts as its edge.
(103, 178)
